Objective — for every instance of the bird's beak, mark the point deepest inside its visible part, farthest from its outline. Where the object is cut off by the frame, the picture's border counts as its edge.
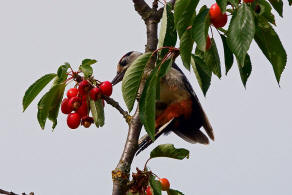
(118, 78)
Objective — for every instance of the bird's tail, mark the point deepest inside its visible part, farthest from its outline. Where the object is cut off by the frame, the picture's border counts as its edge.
(146, 141)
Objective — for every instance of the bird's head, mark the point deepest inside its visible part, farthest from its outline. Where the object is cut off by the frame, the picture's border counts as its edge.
(124, 64)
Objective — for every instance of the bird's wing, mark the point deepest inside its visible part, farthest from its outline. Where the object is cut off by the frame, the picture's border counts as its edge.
(206, 124)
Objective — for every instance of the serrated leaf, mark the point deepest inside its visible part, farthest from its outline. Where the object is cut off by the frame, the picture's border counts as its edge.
(245, 71)
(228, 55)
(155, 185)
(97, 111)
(167, 35)
(241, 32)
(212, 59)
(86, 68)
(278, 6)
(62, 76)
(200, 28)
(202, 72)
(35, 89)
(169, 151)
(132, 79)
(164, 68)
(266, 11)
(222, 4)
(186, 46)
(55, 105)
(183, 13)
(270, 44)
(57, 98)
(46, 104)
(147, 103)
(174, 192)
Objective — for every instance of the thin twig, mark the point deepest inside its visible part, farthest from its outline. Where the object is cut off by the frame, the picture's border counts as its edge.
(116, 105)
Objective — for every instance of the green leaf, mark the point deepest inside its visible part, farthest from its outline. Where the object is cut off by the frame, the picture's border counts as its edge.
(266, 11)
(222, 4)
(86, 68)
(228, 55)
(46, 104)
(132, 79)
(234, 3)
(164, 68)
(174, 192)
(278, 6)
(245, 71)
(183, 13)
(147, 103)
(62, 76)
(167, 35)
(55, 105)
(97, 111)
(241, 32)
(35, 89)
(155, 185)
(200, 28)
(186, 46)
(270, 44)
(169, 151)
(212, 59)
(57, 98)
(202, 72)
(290, 2)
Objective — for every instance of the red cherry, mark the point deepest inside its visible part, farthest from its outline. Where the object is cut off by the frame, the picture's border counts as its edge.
(84, 87)
(220, 21)
(73, 92)
(65, 108)
(73, 120)
(83, 109)
(215, 11)
(106, 88)
(208, 43)
(164, 184)
(148, 191)
(74, 103)
(248, 1)
(95, 93)
(87, 121)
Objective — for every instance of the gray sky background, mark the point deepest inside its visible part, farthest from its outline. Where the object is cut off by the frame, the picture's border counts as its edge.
(252, 151)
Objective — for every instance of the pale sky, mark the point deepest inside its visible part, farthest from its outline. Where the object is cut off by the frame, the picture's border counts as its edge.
(252, 150)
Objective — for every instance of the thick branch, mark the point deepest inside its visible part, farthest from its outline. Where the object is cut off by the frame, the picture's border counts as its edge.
(142, 8)
(121, 174)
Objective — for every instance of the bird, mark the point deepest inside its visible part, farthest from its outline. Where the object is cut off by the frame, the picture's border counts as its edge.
(178, 110)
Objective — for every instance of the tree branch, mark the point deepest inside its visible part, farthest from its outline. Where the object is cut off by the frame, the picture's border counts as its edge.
(116, 105)
(12, 193)
(142, 8)
(121, 173)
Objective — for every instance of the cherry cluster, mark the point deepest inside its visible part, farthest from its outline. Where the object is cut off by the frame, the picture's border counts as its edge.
(77, 106)
(165, 185)
(218, 19)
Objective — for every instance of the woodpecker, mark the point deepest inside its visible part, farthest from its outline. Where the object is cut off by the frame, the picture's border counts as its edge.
(178, 110)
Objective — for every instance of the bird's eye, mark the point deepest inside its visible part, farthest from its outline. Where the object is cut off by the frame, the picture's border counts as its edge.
(123, 62)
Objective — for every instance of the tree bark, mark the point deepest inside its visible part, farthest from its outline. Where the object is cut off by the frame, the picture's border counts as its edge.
(121, 173)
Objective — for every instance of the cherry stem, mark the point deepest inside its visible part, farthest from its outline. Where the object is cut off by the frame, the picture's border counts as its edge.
(145, 166)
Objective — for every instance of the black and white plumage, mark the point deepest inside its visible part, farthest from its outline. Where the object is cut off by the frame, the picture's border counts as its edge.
(178, 110)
